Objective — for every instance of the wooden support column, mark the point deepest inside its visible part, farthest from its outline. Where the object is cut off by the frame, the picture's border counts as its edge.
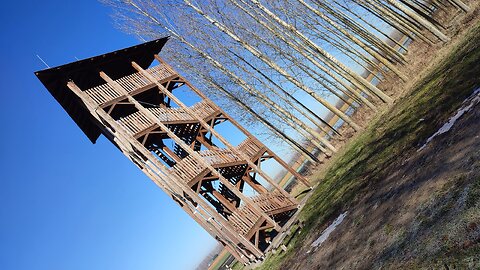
(300, 177)
(214, 231)
(127, 142)
(206, 126)
(235, 123)
(246, 132)
(180, 142)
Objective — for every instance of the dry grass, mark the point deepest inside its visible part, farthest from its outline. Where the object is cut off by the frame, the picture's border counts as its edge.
(377, 171)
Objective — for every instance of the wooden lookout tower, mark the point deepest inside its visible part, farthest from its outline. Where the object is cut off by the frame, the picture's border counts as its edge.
(129, 96)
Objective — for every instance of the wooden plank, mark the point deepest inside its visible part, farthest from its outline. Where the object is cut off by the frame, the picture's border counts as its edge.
(223, 140)
(124, 141)
(195, 154)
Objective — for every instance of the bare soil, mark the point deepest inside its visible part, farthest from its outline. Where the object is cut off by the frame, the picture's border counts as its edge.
(415, 213)
(425, 211)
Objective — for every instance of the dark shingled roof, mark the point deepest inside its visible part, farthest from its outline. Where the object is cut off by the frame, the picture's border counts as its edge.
(85, 73)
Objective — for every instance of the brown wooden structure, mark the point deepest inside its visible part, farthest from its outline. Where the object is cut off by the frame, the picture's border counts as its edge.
(132, 103)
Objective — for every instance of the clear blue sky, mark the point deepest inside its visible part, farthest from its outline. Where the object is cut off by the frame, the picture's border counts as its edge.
(65, 203)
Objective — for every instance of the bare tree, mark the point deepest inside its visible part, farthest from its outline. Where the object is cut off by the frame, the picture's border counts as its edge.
(271, 59)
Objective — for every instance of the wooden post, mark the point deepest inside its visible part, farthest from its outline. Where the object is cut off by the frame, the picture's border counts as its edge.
(248, 134)
(124, 139)
(209, 128)
(225, 142)
(185, 147)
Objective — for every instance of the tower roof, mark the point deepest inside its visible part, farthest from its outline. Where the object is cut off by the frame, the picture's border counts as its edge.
(85, 74)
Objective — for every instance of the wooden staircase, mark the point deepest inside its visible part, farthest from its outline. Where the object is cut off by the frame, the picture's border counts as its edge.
(244, 219)
(188, 170)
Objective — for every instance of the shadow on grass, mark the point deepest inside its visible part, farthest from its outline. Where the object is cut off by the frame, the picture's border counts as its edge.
(389, 141)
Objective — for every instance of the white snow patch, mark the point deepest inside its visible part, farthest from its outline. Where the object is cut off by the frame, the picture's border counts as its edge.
(326, 233)
(468, 104)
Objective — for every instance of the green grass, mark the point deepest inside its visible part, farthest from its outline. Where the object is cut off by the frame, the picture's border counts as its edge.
(221, 261)
(390, 138)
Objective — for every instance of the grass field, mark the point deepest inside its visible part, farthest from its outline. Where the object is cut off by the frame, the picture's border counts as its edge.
(219, 261)
(392, 138)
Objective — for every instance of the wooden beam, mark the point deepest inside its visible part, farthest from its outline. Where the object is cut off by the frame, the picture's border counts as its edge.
(157, 171)
(206, 126)
(224, 201)
(254, 184)
(245, 131)
(189, 150)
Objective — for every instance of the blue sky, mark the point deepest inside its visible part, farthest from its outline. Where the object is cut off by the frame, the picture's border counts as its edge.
(64, 202)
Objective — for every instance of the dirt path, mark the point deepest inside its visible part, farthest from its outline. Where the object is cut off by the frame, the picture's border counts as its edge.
(420, 211)
(407, 209)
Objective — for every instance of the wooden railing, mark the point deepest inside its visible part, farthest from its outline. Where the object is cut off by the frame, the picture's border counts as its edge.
(133, 82)
(138, 122)
(243, 219)
(203, 108)
(161, 72)
(251, 147)
(189, 168)
(168, 115)
(272, 201)
(220, 156)
(105, 93)
(215, 158)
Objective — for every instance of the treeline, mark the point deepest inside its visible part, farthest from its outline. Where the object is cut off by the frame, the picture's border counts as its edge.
(285, 64)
